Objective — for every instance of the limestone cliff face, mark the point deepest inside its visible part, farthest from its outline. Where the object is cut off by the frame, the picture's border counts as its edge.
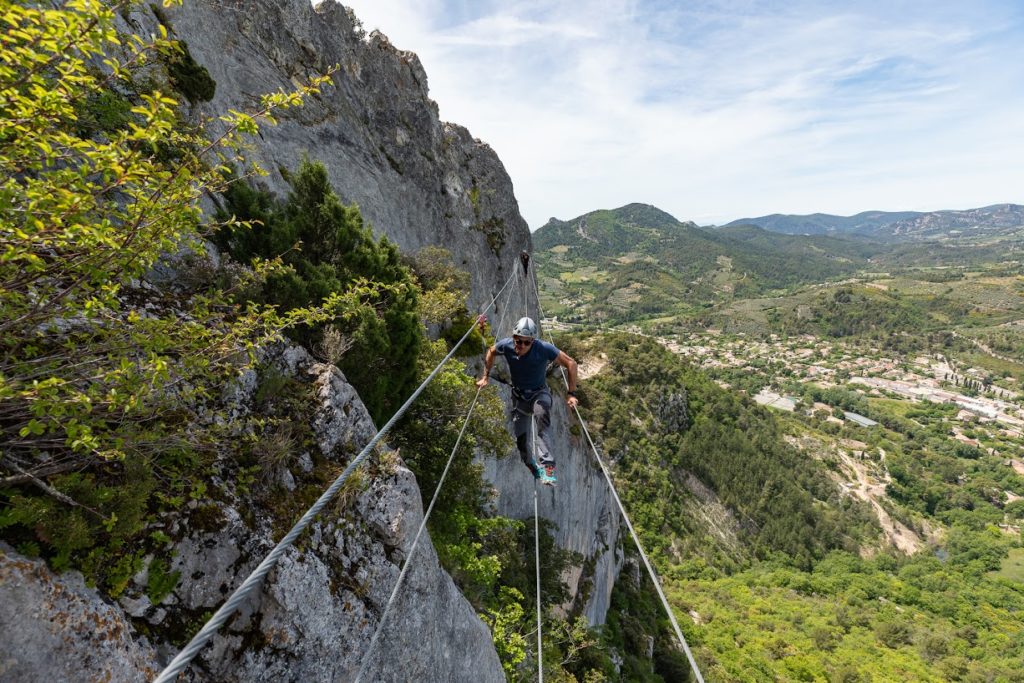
(581, 507)
(420, 182)
(316, 612)
(416, 179)
(57, 629)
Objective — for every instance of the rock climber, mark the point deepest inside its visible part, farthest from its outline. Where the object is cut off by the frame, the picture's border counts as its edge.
(528, 359)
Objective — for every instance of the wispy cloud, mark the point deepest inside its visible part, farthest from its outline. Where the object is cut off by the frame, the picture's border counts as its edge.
(720, 109)
(505, 30)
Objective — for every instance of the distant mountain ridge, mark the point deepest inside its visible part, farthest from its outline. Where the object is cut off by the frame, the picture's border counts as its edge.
(993, 221)
(638, 258)
(639, 261)
(614, 231)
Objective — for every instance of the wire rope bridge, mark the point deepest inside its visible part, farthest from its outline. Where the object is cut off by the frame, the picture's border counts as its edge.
(251, 583)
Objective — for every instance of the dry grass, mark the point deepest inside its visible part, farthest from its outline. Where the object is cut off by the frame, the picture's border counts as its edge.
(332, 346)
(277, 448)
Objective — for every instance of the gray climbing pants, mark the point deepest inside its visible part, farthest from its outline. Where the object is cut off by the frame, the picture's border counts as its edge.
(537, 405)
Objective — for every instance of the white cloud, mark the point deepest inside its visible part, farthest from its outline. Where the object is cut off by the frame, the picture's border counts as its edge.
(504, 30)
(720, 110)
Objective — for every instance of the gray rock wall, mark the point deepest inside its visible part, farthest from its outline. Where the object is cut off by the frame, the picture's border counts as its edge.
(581, 507)
(418, 180)
(56, 629)
(318, 609)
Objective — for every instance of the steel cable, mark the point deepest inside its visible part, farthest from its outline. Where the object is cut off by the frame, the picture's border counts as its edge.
(536, 558)
(415, 542)
(183, 658)
(629, 524)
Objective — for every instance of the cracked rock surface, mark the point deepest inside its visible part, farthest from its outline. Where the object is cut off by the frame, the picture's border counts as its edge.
(418, 180)
(314, 616)
(56, 629)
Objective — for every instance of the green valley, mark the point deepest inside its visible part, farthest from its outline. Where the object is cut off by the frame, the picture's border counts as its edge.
(819, 439)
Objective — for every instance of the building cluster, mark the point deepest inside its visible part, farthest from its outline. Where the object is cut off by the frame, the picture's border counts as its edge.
(805, 358)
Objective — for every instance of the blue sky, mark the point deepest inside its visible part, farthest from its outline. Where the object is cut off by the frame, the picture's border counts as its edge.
(720, 109)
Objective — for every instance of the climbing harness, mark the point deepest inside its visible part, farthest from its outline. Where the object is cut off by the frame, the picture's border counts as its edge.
(629, 525)
(183, 658)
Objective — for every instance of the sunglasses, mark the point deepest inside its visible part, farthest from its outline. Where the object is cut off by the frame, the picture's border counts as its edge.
(521, 342)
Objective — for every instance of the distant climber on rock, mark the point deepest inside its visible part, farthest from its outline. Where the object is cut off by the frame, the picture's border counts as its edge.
(528, 359)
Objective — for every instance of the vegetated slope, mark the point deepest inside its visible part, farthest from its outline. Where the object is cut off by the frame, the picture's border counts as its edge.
(681, 444)
(902, 314)
(813, 246)
(862, 223)
(999, 219)
(707, 479)
(989, 221)
(640, 261)
(779, 571)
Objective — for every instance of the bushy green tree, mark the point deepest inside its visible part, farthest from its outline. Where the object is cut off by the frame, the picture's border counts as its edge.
(329, 249)
(101, 399)
(732, 445)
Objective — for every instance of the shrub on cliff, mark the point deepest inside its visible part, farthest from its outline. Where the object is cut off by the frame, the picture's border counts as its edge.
(327, 249)
(103, 378)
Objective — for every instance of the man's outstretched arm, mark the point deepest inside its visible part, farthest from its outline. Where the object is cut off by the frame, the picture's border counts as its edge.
(488, 364)
(567, 362)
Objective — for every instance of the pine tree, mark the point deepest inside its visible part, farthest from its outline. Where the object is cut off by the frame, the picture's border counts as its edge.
(329, 249)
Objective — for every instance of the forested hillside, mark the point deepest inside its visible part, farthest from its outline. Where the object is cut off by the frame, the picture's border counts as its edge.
(777, 566)
(663, 423)
(867, 526)
(637, 262)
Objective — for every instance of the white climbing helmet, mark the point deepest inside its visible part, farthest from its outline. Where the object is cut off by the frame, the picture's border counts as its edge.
(525, 328)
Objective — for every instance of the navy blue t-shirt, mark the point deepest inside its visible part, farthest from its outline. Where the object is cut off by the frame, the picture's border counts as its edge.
(528, 370)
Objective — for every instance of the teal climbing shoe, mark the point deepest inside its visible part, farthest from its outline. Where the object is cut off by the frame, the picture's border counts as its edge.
(537, 471)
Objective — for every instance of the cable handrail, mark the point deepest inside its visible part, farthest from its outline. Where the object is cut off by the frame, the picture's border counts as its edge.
(503, 312)
(536, 558)
(183, 658)
(639, 547)
(412, 550)
(629, 524)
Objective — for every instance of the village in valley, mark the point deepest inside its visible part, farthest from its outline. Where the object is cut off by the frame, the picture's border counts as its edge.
(807, 359)
(971, 407)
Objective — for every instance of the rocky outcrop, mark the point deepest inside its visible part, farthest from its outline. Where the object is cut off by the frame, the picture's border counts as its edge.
(417, 180)
(57, 629)
(315, 616)
(316, 612)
